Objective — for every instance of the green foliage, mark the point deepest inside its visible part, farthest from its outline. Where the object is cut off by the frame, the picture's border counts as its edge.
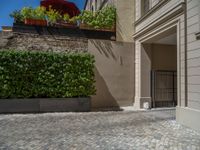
(53, 16)
(39, 13)
(105, 17)
(46, 75)
(87, 17)
(30, 13)
(27, 12)
(17, 16)
(73, 20)
(66, 17)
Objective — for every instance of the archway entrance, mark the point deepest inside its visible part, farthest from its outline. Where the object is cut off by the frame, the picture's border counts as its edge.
(158, 70)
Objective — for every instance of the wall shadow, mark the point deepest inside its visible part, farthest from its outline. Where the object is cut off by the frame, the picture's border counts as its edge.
(103, 97)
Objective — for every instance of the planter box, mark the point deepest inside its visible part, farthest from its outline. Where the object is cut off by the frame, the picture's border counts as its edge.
(37, 22)
(87, 27)
(65, 25)
(69, 32)
(45, 105)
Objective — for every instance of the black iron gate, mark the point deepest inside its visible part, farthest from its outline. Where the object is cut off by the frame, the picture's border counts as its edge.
(164, 89)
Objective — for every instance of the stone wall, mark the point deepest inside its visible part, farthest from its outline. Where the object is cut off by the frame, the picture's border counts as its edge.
(36, 42)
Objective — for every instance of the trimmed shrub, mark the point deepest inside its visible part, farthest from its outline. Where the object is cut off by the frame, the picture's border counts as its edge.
(46, 75)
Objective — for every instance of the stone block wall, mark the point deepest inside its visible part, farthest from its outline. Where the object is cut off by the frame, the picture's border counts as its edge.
(36, 42)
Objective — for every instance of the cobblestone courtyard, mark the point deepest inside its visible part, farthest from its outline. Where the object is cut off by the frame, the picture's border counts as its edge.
(96, 130)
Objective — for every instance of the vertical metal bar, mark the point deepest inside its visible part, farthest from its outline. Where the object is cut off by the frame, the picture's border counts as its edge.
(173, 89)
(153, 88)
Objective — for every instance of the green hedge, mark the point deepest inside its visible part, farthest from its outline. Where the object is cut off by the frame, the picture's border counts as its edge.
(45, 75)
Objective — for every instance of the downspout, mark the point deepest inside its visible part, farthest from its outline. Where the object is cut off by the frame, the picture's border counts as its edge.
(186, 68)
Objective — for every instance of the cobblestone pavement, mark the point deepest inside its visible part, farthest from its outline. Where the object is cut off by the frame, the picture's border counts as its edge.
(156, 130)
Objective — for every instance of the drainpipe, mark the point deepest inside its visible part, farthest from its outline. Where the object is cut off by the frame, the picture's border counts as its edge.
(186, 69)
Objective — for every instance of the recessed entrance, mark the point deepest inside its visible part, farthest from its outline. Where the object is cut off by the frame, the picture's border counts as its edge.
(159, 55)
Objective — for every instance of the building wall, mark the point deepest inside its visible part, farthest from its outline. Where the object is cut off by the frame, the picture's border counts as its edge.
(189, 115)
(114, 72)
(193, 27)
(159, 20)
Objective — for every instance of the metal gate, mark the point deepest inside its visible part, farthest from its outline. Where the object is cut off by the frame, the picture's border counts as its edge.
(164, 89)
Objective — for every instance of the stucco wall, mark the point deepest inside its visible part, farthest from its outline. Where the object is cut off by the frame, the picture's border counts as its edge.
(114, 73)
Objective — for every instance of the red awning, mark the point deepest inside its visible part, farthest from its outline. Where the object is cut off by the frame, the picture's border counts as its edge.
(61, 6)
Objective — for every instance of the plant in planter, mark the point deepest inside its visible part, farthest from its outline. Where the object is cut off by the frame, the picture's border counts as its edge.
(85, 18)
(18, 18)
(70, 22)
(45, 82)
(101, 20)
(67, 22)
(39, 14)
(34, 16)
(66, 17)
(107, 17)
(27, 14)
(53, 16)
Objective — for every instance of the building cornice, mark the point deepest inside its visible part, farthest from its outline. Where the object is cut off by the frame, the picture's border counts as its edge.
(151, 11)
(177, 10)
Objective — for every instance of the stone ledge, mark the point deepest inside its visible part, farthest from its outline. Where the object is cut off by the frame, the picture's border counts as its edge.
(45, 105)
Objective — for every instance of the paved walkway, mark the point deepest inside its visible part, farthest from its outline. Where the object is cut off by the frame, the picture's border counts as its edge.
(155, 130)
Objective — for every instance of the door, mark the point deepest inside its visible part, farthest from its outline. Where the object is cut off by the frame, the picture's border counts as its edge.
(164, 89)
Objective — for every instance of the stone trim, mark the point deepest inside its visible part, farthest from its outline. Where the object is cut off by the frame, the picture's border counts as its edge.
(177, 10)
(151, 11)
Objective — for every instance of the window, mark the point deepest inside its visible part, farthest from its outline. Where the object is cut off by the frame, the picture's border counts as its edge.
(145, 6)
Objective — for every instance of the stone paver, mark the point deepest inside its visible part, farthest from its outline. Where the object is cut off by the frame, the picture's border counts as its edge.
(156, 130)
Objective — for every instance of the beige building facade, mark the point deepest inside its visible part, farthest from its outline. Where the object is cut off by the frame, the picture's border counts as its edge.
(167, 34)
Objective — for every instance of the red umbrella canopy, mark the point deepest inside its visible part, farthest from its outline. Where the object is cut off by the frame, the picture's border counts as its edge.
(61, 6)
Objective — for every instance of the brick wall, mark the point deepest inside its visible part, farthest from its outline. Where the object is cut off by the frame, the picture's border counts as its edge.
(37, 42)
